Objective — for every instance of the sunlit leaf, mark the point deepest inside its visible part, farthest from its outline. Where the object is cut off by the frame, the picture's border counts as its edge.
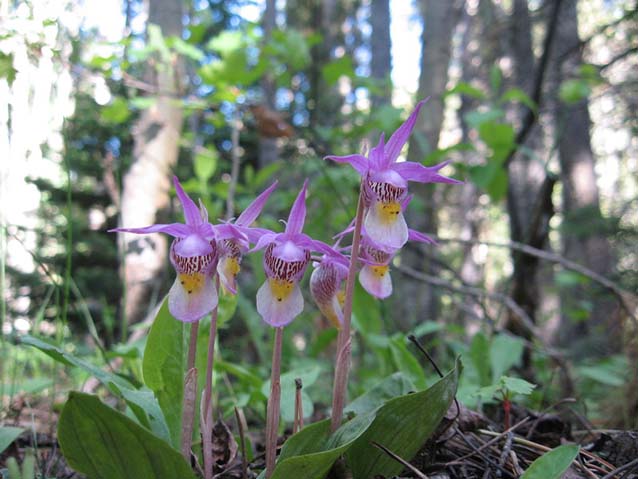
(117, 111)
(164, 368)
(336, 69)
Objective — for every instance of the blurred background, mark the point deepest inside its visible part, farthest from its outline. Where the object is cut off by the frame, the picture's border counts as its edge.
(533, 101)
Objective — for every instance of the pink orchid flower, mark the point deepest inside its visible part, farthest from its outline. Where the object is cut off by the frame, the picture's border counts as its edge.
(286, 257)
(386, 183)
(234, 240)
(326, 283)
(194, 256)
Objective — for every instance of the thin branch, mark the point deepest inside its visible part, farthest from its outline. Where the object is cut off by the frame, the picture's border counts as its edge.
(537, 92)
(474, 291)
(400, 460)
(619, 292)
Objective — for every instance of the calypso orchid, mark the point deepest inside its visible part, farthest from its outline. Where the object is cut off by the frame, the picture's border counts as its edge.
(194, 256)
(385, 183)
(234, 240)
(286, 257)
(375, 258)
(326, 288)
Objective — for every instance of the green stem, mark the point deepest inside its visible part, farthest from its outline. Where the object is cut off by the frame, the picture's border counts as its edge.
(207, 405)
(190, 393)
(272, 414)
(342, 366)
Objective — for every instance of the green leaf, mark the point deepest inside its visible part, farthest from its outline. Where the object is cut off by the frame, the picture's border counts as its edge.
(186, 49)
(116, 112)
(516, 94)
(227, 42)
(440, 153)
(496, 78)
(141, 401)
(100, 442)
(163, 368)
(336, 69)
(505, 352)
(480, 355)
(476, 118)
(517, 385)
(8, 435)
(402, 424)
(310, 453)
(157, 43)
(143, 102)
(463, 88)
(287, 406)
(574, 90)
(406, 362)
(205, 163)
(6, 67)
(395, 385)
(499, 137)
(552, 464)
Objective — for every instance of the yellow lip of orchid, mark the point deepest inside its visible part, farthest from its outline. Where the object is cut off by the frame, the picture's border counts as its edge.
(280, 288)
(192, 282)
(380, 270)
(389, 212)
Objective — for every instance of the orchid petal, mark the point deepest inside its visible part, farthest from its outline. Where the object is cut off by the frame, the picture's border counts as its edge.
(414, 235)
(325, 284)
(289, 251)
(193, 245)
(400, 136)
(376, 280)
(227, 268)
(189, 307)
(391, 233)
(358, 162)
(250, 214)
(279, 311)
(416, 172)
(377, 161)
(192, 215)
(178, 230)
(297, 215)
(265, 240)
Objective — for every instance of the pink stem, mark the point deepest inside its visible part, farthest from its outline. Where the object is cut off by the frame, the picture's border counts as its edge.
(188, 409)
(207, 415)
(342, 367)
(272, 414)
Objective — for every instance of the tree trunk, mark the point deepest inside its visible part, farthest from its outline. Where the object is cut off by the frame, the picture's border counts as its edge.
(268, 148)
(529, 190)
(146, 185)
(583, 239)
(439, 18)
(381, 47)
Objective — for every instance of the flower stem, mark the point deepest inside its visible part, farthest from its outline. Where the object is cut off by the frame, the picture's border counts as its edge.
(342, 366)
(272, 414)
(207, 405)
(190, 393)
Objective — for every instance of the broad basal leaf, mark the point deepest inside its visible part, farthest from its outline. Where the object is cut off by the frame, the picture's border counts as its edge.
(403, 424)
(8, 435)
(102, 443)
(163, 368)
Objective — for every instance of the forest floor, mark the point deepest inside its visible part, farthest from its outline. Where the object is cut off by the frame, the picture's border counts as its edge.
(466, 445)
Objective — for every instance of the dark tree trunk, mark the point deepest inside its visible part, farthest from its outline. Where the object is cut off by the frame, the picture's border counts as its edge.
(529, 189)
(146, 185)
(268, 148)
(381, 47)
(584, 240)
(439, 18)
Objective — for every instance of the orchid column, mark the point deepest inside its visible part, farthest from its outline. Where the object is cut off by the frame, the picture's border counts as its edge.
(193, 295)
(279, 299)
(382, 199)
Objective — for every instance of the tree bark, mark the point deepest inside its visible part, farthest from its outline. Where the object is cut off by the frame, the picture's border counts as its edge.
(439, 18)
(529, 192)
(146, 185)
(381, 47)
(268, 148)
(583, 239)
